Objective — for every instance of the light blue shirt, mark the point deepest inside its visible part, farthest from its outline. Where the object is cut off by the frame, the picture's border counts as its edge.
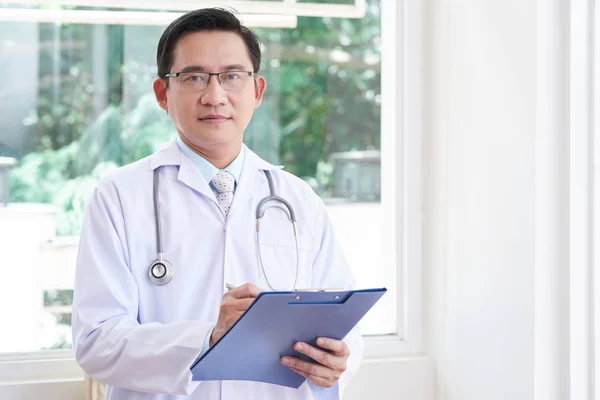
(208, 172)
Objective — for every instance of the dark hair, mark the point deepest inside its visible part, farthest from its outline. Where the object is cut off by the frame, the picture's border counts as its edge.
(206, 19)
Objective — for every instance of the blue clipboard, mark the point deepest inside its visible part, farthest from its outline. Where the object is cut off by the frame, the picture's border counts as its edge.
(250, 350)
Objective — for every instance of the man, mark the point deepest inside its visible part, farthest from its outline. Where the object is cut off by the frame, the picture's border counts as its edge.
(141, 319)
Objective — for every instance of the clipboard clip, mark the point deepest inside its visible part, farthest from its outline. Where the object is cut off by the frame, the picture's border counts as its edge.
(321, 290)
(319, 296)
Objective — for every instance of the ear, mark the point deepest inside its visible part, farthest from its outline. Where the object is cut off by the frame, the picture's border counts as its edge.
(260, 84)
(160, 91)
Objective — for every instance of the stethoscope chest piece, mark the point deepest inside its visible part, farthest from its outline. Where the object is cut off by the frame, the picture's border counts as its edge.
(160, 272)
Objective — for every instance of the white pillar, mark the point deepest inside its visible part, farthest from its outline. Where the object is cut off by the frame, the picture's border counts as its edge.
(595, 375)
(551, 204)
(581, 150)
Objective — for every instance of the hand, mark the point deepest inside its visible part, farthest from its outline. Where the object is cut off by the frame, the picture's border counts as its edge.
(234, 303)
(328, 367)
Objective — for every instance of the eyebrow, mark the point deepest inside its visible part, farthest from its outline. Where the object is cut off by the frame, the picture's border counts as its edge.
(198, 68)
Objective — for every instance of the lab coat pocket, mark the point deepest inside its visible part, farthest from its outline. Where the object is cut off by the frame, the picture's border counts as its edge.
(278, 259)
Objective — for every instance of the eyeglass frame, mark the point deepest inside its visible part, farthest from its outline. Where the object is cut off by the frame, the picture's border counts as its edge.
(210, 74)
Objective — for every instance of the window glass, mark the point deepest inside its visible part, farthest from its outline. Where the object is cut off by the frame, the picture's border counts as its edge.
(76, 101)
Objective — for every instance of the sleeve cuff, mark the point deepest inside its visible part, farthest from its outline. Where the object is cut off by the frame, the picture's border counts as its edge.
(206, 344)
(321, 393)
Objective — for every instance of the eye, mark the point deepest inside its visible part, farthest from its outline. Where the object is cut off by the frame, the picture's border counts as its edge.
(231, 76)
(194, 78)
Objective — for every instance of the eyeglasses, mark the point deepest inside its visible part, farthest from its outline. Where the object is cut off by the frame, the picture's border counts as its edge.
(197, 81)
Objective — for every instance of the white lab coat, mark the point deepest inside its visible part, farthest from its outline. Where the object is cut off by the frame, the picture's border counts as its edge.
(141, 338)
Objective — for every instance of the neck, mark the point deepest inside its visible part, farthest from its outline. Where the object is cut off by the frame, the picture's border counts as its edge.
(220, 155)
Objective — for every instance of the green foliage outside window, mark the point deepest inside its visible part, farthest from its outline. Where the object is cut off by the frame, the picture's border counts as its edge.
(322, 97)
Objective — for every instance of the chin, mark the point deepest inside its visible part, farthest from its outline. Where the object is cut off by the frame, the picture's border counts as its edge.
(218, 139)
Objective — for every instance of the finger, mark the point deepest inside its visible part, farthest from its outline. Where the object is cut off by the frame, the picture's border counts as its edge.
(241, 304)
(317, 380)
(339, 347)
(325, 358)
(232, 318)
(247, 290)
(230, 305)
(310, 368)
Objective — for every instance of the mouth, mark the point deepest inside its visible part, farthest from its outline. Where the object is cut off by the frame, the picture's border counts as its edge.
(213, 119)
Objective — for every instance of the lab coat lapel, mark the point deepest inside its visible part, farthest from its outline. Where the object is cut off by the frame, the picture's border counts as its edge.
(189, 175)
(253, 181)
(170, 154)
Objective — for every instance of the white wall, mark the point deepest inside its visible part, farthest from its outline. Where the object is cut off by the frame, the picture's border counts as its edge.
(478, 187)
(408, 378)
(478, 150)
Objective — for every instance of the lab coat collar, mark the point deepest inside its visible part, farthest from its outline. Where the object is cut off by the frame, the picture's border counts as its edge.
(170, 154)
(253, 180)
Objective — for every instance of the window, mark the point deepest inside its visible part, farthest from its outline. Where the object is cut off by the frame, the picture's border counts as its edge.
(78, 103)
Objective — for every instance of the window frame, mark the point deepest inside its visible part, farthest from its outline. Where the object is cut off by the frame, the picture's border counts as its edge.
(59, 16)
(401, 176)
(401, 197)
(282, 7)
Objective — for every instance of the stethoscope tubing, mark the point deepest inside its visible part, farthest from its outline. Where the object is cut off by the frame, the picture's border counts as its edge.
(161, 263)
(159, 246)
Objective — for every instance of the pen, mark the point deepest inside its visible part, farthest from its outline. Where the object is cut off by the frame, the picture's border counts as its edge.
(229, 287)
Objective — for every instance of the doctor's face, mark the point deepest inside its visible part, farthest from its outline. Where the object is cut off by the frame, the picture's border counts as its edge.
(211, 118)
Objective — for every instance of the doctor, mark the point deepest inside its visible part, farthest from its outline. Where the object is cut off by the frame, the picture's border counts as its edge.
(162, 237)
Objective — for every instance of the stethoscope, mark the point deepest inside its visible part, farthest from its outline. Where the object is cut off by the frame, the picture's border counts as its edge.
(161, 270)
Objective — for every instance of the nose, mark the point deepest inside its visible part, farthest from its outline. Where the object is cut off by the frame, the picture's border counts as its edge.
(214, 94)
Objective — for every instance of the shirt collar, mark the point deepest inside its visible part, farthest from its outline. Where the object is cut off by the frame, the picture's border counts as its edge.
(206, 169)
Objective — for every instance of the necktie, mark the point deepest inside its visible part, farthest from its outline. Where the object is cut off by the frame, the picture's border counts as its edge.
(224, 182)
